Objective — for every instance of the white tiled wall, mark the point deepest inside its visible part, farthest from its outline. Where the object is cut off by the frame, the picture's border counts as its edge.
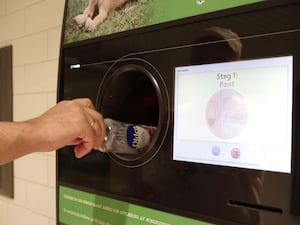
(33, 28)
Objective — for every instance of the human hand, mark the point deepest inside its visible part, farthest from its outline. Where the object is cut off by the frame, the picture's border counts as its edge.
(74, 122)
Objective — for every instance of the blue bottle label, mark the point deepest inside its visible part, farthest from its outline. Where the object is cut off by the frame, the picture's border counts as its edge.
(132, 136)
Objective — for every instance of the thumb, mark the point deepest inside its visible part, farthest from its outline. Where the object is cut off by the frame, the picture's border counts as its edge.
(81, 150)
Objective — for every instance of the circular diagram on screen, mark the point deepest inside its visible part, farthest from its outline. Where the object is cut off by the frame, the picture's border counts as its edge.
(226, 113)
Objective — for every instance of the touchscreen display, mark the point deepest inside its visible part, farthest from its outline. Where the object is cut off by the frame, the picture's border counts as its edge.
(236, 114)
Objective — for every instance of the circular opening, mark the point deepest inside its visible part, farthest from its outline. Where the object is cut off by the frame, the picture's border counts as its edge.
(131, 97)
(135, 94)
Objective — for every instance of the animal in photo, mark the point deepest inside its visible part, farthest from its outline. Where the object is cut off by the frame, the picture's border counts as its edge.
(96, 12)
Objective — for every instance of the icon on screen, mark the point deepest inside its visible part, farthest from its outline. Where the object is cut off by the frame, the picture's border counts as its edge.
(235, 153)
(216, 150)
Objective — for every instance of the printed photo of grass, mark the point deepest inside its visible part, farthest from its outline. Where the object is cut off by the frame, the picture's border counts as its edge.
(132, 15)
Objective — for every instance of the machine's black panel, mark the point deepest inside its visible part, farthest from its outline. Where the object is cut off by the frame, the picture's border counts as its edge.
(141, 65)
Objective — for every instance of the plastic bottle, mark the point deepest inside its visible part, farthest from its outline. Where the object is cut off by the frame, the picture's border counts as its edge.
(126, 138)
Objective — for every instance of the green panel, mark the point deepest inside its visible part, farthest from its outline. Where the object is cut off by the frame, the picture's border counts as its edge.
(177, 9)
(82, 208)
(141, 14)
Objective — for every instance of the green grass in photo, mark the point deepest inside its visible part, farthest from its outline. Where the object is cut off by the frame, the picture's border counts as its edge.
(133, 15)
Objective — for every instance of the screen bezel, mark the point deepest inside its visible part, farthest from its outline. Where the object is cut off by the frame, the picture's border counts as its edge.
(221, 143)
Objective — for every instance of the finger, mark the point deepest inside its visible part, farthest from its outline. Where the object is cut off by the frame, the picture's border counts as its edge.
(99, 126)
(85, 142)
(94, 132)
(85, 102)
(81, 150)
(102, 135)
(77, 141)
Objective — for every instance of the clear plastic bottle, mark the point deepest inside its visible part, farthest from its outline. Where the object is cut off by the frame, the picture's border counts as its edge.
(126, 138)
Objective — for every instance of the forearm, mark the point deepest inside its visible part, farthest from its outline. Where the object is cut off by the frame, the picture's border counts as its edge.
(67, 123)
(16, 139)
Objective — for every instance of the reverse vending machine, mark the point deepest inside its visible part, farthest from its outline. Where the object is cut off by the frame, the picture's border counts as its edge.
(220, 82)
